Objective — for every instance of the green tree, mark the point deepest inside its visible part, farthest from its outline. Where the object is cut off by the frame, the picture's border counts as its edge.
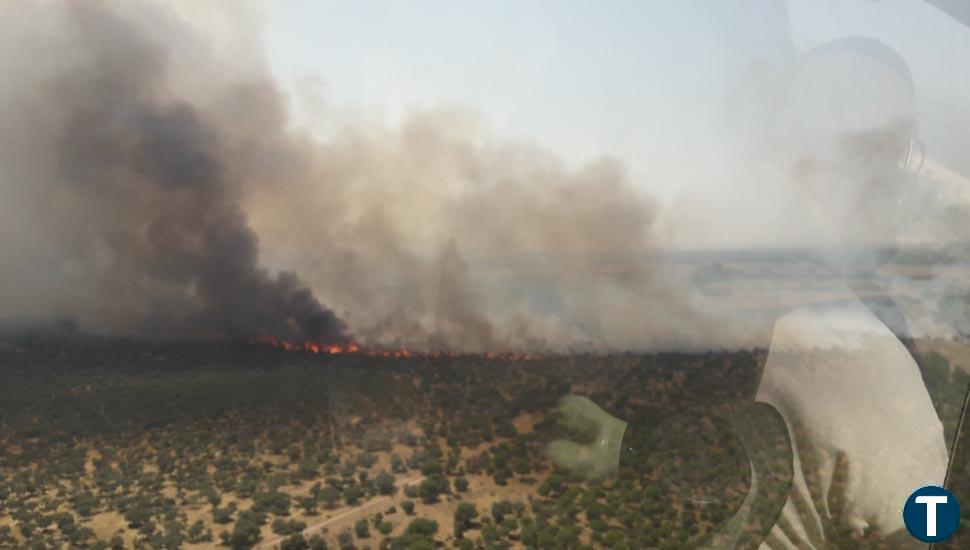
(245, 534)
(384, 483)
(500, 509)
(274, 502)
(221, 515)
(352, 495)
(317, 543)
(329, 496)
(137, 515)
(295, 542)
(307, 504)
(362, 529)
(198, 533)
(345, 540)
(212, 495)
(422, 526)
(429, 490)
(464, 514)
(283, 527)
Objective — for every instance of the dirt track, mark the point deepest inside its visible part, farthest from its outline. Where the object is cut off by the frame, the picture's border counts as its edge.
(351, 515)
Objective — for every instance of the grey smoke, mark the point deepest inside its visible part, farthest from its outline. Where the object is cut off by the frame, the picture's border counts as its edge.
(149, 187)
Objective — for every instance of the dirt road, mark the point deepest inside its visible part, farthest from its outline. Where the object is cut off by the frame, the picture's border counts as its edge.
(352, 513)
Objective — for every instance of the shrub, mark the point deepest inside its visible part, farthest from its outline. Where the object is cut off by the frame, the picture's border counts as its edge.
(422, 526)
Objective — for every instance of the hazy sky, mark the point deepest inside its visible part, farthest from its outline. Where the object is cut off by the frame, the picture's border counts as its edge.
(640, 80)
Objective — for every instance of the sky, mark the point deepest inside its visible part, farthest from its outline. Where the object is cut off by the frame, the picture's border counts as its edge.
(643, 81)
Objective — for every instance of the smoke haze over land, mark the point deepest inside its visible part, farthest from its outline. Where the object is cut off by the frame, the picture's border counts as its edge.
(154, 182)
(137, 170)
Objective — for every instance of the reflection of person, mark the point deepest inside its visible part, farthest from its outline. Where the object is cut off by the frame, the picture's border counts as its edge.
(849, 390)
(836, 130)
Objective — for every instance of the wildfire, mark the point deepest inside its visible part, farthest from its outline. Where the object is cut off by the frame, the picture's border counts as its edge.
(309, 346)
(350, 348)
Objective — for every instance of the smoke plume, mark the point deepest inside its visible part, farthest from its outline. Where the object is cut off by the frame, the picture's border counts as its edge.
(151, 185)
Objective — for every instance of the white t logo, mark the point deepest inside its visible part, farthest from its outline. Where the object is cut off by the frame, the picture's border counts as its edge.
(931, 503)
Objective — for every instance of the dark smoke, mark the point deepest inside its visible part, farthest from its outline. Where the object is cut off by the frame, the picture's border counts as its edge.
(148, 170)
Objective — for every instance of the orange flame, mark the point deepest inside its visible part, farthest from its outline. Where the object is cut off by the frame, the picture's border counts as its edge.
(351, 348)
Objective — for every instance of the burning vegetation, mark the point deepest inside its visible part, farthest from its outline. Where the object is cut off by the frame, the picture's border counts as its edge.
(350, 348)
